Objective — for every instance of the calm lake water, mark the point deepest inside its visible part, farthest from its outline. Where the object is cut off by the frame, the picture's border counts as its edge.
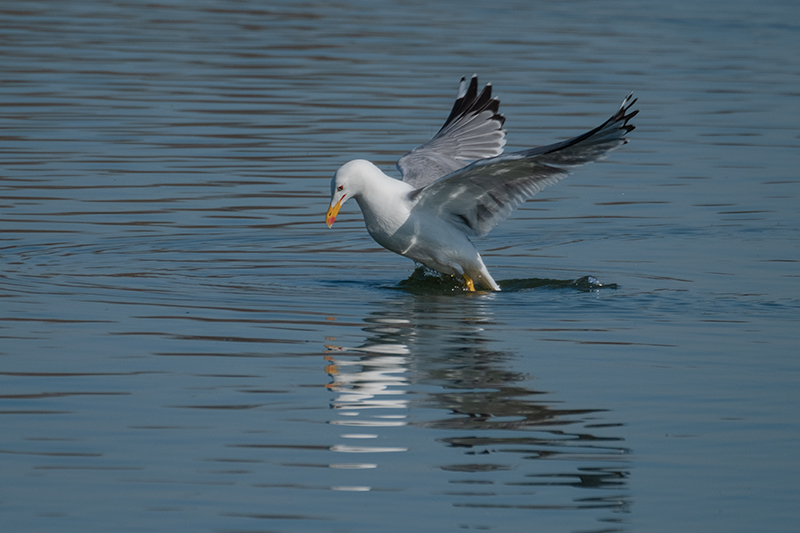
(184, 345)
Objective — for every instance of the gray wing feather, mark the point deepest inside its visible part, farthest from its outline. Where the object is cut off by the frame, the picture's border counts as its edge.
(479, 196)
(473, 131)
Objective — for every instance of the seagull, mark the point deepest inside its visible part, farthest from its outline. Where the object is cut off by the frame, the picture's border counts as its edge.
(460, 184)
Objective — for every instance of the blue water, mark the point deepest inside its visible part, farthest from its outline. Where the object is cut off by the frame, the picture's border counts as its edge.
(184, 345)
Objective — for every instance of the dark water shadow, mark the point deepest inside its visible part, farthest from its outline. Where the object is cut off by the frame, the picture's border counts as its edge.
(425, 281)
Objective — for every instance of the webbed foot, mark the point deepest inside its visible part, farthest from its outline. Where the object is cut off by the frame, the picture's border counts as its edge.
(470, 284)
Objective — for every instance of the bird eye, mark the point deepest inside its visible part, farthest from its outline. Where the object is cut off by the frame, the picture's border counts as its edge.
(340, 188)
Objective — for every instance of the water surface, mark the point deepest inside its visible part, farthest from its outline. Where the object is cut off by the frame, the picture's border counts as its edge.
(185, 346)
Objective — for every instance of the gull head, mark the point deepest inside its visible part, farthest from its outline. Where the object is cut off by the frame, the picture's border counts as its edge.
(348, 182)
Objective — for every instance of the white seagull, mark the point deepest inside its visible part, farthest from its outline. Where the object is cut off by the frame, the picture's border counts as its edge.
(460, 184)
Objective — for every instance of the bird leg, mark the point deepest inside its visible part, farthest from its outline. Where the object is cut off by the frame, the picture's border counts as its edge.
(470, 285)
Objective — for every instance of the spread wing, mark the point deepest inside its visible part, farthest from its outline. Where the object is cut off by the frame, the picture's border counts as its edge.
(477, 197)
(474, 130)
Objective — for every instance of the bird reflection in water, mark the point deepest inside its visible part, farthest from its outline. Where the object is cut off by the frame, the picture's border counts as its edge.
(515, 439)
(376, 380)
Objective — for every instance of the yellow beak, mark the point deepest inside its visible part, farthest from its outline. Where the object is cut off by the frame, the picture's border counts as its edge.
(330, 218)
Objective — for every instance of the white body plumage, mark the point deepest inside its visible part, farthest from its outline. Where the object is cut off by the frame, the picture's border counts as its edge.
(394, 220)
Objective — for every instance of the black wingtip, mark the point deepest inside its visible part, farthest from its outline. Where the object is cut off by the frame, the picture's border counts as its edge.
(624, 114)
(614, 129)
(470, 102)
